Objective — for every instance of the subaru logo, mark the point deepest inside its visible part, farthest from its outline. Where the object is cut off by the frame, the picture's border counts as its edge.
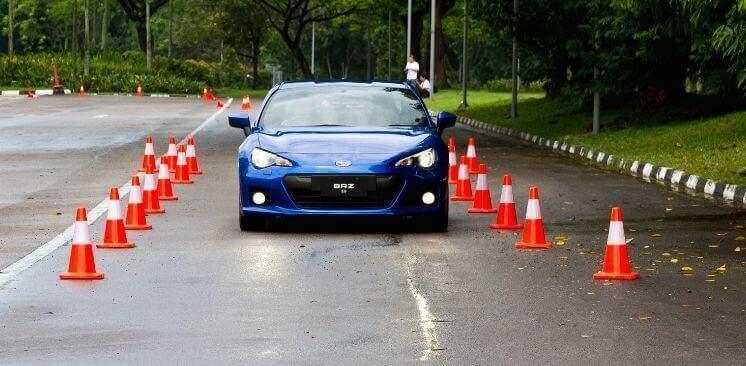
(342, 163)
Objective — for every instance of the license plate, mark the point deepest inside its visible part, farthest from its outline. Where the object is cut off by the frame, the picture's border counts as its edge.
(344, 185)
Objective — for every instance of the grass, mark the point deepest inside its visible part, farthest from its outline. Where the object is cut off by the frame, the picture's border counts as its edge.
(238, 93)
(711, 147)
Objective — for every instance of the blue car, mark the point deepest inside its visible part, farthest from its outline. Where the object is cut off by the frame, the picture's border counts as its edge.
(343, 150)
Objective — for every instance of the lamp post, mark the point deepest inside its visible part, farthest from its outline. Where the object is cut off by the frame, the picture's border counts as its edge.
(464, 63)
(432, 49)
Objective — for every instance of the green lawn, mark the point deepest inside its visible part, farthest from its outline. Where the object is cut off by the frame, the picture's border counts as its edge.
(256, 95)
(712, 147)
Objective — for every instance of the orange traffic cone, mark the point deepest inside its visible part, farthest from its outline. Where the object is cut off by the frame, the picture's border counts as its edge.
(471, 157)
(150, 194)
(31, 95)
(506, 218)
(533, 232)
(81, 91)
(191, 156)
(463, 186)
(139, 90)
(170, 155)
(136, 219)
(452, 163)
(82, 264)
(482, 199)
(148, 157)
(165, 189)
(219, 104)
(114, 235)
(246, 103)
(182, 169)
(616, 261)
(204, 94)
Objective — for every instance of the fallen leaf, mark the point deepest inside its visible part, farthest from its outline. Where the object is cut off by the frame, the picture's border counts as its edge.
(647, 246)
(713, 246)
(738, 249)
(655, 235)
(560, 237)
(644, 317)
(709, 280)
(629, 240)
(687, 268)
(721, 268)
(687, 305)
(586, 335)
(666, 254)
(674, 260)
(738, 238)
(521, 268)
(721, 234)
(668, 209)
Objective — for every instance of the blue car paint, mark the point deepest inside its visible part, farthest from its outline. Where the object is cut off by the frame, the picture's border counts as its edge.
(315, 151)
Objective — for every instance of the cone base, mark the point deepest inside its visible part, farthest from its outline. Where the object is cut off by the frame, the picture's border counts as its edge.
(115, 245)
(522, 245)
(138, 227)
(481, 210)
(152, 211)
(462, 198)
(475, 172)
(506, 227)
(452, 182)
(168, 198)
(81, 276)
(616, 276)
(182, 181)
(141, 170)
(197, 172)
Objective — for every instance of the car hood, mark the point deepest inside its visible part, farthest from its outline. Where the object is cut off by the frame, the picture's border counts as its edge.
(338, 141)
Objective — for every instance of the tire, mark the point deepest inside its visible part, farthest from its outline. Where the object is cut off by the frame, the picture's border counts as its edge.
(435, 224)
(249, 223)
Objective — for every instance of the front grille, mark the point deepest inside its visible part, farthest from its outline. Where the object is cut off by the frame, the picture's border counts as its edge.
(305, 196)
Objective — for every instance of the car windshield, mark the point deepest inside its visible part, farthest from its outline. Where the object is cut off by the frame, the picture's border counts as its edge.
(343, 106)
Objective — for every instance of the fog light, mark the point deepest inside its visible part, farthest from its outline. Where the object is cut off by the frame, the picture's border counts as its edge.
(428, 198)
(259, 198)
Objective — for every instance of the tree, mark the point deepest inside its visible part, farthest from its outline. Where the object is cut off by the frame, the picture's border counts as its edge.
(136, 11)
(245, 30)
(290, 18)
(10, 28)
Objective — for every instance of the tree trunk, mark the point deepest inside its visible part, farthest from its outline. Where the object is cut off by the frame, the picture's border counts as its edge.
(141, 36)
(10, 28)
(171, 28)
(255, 67)
(87, 39)
(148, 43)
(104, 24)
(298, 56)
(75, 28)
(441, 47)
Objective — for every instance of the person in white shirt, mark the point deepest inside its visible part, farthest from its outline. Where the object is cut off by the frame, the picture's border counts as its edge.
(412, 69)
(424, 86)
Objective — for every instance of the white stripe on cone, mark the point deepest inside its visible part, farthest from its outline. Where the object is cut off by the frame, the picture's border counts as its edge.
(190, 153)
(181, 159)
(81, 235)
(506, 195)
(150, 184)
(149, 148)
(616, 233)
(471, 152)
(452, 159)
(482, 182)
(135, 195)
(533, 212)
(141, 177)
(163, 172)
(171, 150)
(463, 172)
(115, 210)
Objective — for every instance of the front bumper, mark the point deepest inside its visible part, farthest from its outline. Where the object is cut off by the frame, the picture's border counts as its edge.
(409, 184)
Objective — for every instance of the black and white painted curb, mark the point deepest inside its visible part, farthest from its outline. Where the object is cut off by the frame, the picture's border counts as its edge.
(674, 179)
(24, 92)
(42, 92)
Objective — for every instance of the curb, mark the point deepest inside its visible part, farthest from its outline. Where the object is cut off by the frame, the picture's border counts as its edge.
(41, 92)
(23, 92)
(677, 180)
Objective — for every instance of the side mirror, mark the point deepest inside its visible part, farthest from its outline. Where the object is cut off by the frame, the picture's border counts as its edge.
(445, 120)
(240, 120)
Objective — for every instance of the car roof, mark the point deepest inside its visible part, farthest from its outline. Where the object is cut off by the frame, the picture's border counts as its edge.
(357, 83)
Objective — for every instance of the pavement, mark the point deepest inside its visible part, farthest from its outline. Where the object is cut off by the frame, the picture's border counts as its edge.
(197, 290)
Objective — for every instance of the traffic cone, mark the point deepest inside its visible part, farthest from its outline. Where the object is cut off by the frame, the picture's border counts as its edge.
(150, 194)
(170, 155)
(165, 189)
(148, 157)
(191, 156)
(31, 95)
(139, 90)
(463, 186)
(533, 232)
(114, 235)
(81, 91)
(219, 104)
(452, 163)
(616, 260)
(506, 218)
(246, 103)
(204, 94)
(182, 169)
(482, 199)
(136, 219)
(471, 157)
(82, 264)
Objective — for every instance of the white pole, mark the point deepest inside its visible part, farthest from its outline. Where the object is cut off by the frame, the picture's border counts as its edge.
(432, 49)
(409, 27)
(313, 49)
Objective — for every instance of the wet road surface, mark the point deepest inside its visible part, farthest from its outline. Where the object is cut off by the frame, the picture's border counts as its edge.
(197, 290)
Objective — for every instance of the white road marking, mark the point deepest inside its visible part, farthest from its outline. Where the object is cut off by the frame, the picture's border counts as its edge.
(99, 116)
(10, 272)
(427, 319)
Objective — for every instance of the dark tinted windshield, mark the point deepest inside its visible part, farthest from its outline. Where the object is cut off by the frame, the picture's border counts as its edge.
(342, 105)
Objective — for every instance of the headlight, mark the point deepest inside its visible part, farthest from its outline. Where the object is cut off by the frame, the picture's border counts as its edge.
(423, 159)
(262, 159)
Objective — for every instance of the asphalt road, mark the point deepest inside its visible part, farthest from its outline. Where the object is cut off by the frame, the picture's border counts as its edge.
(197, 290)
